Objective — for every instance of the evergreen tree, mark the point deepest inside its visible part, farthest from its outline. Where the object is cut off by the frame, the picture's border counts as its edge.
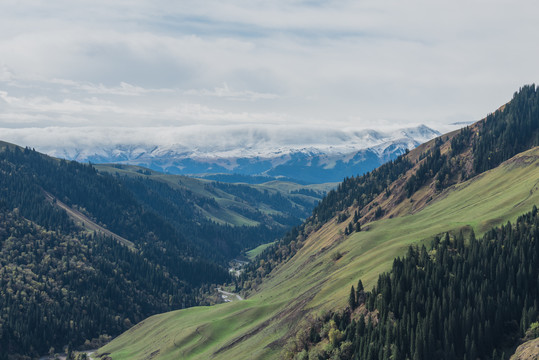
(458, 302)
(352, 299)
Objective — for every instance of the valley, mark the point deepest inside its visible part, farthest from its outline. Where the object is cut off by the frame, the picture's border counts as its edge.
(162, 245)
(269, 180)
(312, 281)
(124, 246)
(446, 186)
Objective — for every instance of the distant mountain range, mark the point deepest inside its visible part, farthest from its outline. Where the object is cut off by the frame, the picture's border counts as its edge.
(323, 157)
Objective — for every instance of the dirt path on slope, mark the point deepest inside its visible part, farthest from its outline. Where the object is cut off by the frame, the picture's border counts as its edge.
(87, 223)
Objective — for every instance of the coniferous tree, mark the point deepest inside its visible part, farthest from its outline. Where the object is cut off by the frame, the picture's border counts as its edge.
(461, 301)
(352, 299)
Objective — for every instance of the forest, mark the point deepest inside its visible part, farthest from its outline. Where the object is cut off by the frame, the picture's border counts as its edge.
(462, 299)
(62, 285)
(61, 288)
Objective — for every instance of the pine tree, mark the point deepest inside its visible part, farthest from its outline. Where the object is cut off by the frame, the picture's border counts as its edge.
(352, 299)
(359, 286)
(350, 228)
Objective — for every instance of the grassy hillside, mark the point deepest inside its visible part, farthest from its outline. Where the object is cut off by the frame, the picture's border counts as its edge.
(252, 254)
(320, 274)
(410, 182)
(273, 203)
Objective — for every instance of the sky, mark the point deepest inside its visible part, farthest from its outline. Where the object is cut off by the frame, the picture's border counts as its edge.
(77, 69)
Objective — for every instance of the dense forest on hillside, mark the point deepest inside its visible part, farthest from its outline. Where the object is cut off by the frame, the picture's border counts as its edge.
(60, 288)
(218, 243)
(63, 285)
(27, 174)
(502, 135)
(360, 189)
(460, 300)
(508, 132)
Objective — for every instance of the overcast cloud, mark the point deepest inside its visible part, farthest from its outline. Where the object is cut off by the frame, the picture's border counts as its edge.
(338, 64)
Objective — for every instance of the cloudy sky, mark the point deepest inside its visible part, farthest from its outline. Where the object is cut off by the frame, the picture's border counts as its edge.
(356, 64)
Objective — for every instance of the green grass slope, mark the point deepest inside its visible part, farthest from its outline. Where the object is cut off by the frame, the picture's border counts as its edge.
(252, 254)
(319, 276)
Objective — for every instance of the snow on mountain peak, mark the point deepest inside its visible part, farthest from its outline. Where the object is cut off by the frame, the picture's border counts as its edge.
(214, 149)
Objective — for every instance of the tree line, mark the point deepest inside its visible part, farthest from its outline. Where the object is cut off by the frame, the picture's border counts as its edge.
(463, 299)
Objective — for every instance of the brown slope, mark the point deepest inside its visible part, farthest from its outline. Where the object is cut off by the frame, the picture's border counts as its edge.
(86, 223)
(397, 203)
(527, 351)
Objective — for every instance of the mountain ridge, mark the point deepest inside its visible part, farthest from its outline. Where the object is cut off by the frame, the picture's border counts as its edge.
(337, 155)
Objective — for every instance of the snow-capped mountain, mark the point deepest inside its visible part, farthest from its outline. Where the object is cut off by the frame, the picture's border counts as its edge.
(306, 155)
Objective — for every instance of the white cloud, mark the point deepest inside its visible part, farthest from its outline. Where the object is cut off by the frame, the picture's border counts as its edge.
(333, 63)
(123, 89)
(199, 140)
(42, 111)
(225, 92)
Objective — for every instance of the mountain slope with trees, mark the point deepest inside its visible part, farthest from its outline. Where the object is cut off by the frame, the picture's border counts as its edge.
(273, 203)
(64, 285)
(463, 299)
(429, 191)
(408, 183)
